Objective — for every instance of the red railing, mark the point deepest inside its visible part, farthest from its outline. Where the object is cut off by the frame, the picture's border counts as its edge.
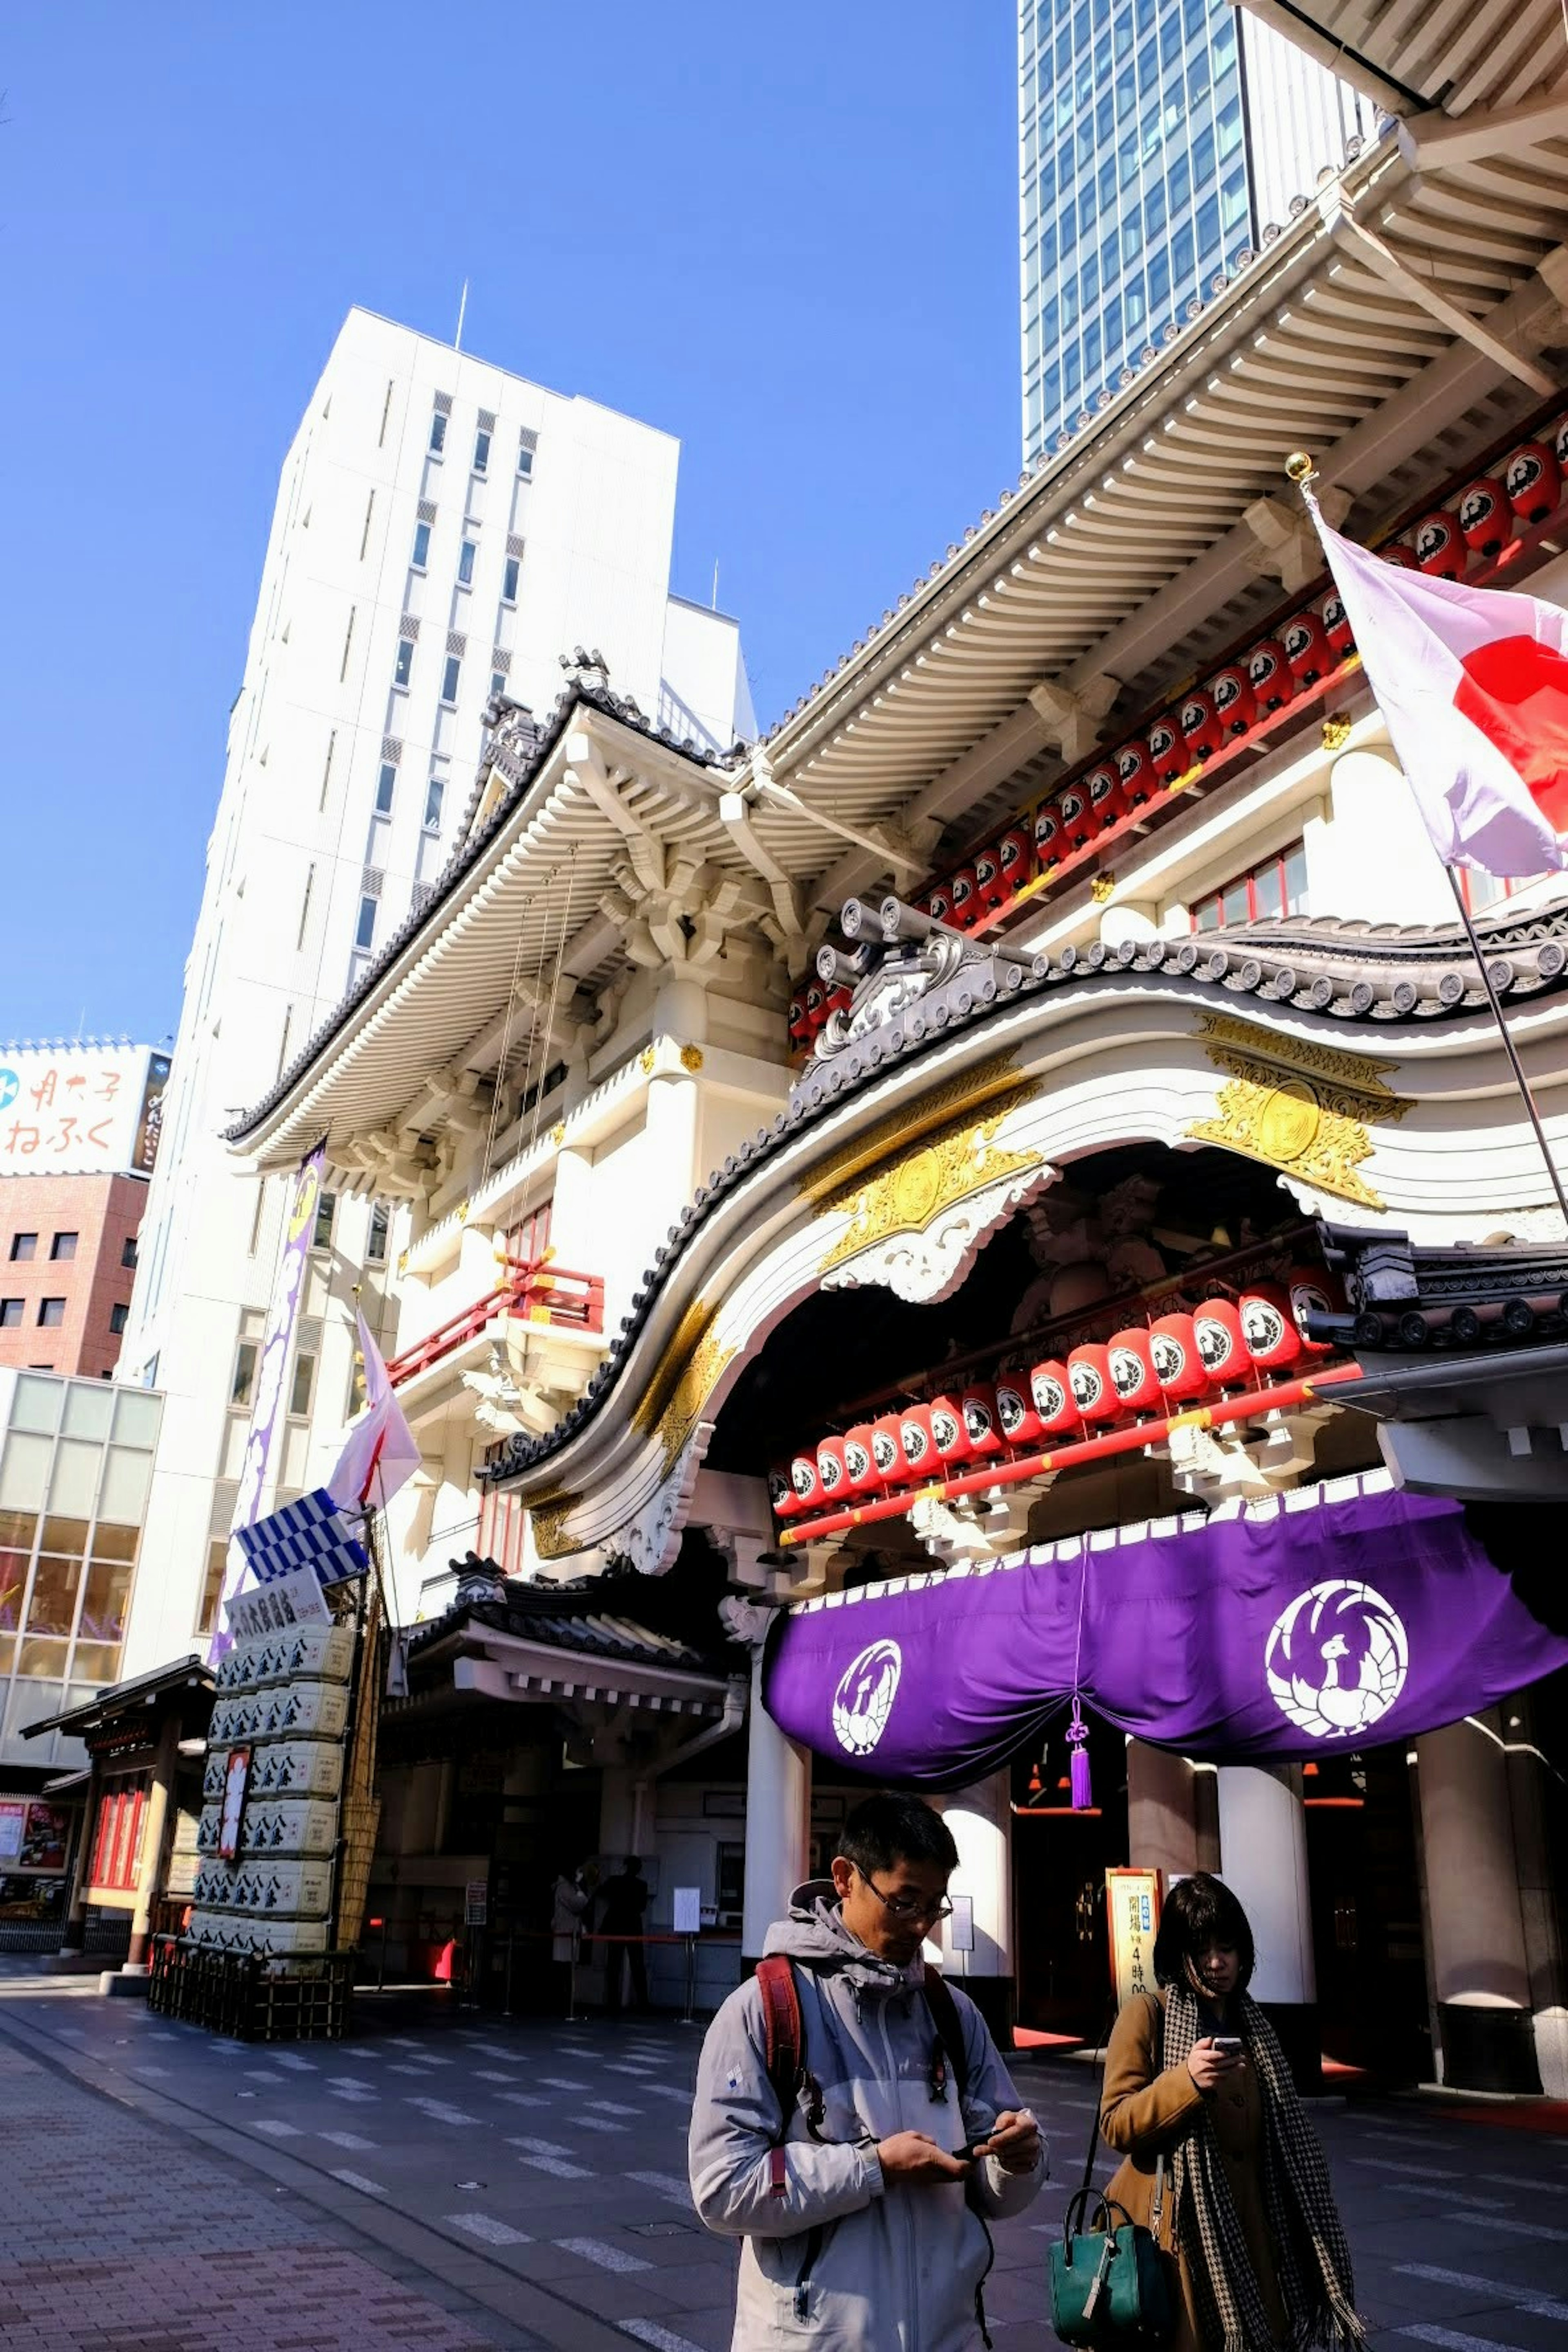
(531, 1291)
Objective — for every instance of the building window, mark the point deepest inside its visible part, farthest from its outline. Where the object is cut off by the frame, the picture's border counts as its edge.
(212, 1590)
(364, 930)
(509, 579)
(119, 1316)
(435, 792)
(10, 1314)
(401, 674)
(51, 1313)
(304, 1382)
(421, 545)
(482, 451)
(1481, 890)
(497, 683)
(327, 768)
(326, 1209)
(449, 681)
(525, 461)
(386, 785)
(242, 1387)
(24, 1245)
(380, 1228)
(437, 434)
(1276, 887)
(128, 1251)
(63, 1246)
(466, 555)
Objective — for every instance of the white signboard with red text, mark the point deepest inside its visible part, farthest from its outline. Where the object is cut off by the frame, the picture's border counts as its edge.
(76, 1110)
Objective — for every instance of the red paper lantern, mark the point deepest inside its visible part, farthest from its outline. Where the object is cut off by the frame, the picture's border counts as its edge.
(948, 1434)
(1400, 553)
(1337, 626)
(1313, 1292)
(785, 1502)
(1307, 647)
(981, 1417)
(1047, 835)
(965, 905)
(1093, 1390)
(1269, 1327)
(916, 1443)
(886, 1454)
(1107, 800)
(799, 1026)
(1077, 824)
(816, 1004)
(1439, 549)
(1170, 751)
(1484, 515)
(1222, 1343)
(1231, 688)
(1051, 1389)
(1015, 1414)
(859, 1460)
(989, 886)
(1015, 853)
(803, 1477)
(1136, 771)
(840, 1001)
(1269, 672)
(1200, 723)
(1178, 1361)
(939, 902)
(1533, 480)
(1132, 1373)
(833, 1470)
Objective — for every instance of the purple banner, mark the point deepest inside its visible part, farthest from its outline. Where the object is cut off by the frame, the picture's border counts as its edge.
(276, 1342)
(1338, 1617)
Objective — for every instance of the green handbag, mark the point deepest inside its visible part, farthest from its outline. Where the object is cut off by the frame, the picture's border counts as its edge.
(1109, 2286)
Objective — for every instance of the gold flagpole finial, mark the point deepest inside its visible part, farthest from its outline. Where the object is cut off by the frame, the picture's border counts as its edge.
(1300, 468)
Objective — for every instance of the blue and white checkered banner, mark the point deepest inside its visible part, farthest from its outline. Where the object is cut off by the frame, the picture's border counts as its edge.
(312, 1533)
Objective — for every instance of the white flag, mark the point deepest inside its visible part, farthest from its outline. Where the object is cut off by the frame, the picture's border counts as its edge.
(382, 1453)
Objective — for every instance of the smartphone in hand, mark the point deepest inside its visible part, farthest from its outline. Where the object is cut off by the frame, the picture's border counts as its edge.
(1229, 2045)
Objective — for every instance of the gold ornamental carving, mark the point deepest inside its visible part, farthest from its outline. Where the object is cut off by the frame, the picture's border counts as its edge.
(549, 1516)
(645, 1061)
(1298, 1106)
(684, 1379)
(925, 1178)
(691, 1058)
(994, 1083)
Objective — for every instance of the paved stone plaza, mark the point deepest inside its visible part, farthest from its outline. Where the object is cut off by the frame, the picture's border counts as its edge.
(451, 2182)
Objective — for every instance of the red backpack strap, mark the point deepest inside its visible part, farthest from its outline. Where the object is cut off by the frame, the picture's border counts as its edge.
(782, 2037)
(949, 2027)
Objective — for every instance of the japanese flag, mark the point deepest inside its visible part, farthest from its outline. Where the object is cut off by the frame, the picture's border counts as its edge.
(1473, 686)
(382, 1453)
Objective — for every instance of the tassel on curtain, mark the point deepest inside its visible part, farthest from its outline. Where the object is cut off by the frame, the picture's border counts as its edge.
(1077, 1730)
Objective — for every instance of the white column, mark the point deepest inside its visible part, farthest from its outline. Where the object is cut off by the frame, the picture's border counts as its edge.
(1480, 1973)
(1263, 1841)
(778, 1820)
(981, 1820)
(1375, 860)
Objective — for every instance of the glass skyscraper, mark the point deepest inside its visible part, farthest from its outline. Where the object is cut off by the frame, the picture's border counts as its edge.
(1158, 138)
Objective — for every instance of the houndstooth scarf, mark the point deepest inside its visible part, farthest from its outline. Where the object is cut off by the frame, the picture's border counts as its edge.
(1311, 2258)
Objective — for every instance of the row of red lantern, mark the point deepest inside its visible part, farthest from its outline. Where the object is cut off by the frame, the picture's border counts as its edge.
(1146, 1370)
(1310, 644)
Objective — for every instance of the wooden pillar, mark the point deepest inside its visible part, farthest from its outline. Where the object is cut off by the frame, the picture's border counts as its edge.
(152, 1835)
(73, 1934)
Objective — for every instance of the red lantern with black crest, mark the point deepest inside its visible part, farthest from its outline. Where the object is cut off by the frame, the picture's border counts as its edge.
(1015, 1414)
(1272, 685)
(1200, 723)
(859, 1461)
(1170, 753)
(1136, 771)
(833, 1470)
(1439, 549)
(982, 1418)
(1231, 689)
(1306, 645)
(1400, 553)
(1267, 1326)
(1222, 1343)
(1093, 1390)
(804, 1479)
(816, 1004)
(1107, 800)
(786, 1504)
(917, 1444)
(965, 904)
(1313, 1291)
(1132, 1373)
(989, 886)
(1051, 1389)
(1533, 481)
(1014, 855)
(1484, 517)
(939, 902)
(1177, 1359)
(948, 1434)
(800, 1031)
(1337, 626)
(887, 1452)
(1077, 824)
(1047, 835)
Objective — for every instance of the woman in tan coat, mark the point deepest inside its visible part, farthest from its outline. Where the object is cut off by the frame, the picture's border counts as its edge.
(1199, 2101)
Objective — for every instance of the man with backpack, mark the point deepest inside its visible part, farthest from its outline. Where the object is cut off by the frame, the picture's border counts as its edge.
(853, 2122)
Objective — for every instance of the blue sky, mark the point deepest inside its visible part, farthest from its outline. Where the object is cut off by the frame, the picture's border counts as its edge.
(788, 236)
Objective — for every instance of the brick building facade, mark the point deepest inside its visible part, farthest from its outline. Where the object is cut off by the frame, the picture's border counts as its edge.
(68, 1258)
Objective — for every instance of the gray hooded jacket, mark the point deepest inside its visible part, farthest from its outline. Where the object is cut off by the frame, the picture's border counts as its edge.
(845, 2261)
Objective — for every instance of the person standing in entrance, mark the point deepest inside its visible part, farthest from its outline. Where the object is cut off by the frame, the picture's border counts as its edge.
(864, 2193)
(1194, 2076)
(621, 1908)
(571, 1901)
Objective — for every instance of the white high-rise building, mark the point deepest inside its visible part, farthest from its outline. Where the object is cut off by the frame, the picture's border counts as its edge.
(443, 532)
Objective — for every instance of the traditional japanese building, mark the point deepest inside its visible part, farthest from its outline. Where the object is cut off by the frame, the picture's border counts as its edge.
(1009, 1190)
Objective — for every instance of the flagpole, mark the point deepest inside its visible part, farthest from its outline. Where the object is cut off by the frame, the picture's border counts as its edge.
(1301, 471)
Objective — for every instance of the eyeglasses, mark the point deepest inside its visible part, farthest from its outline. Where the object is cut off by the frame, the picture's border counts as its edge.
(907, 1906)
